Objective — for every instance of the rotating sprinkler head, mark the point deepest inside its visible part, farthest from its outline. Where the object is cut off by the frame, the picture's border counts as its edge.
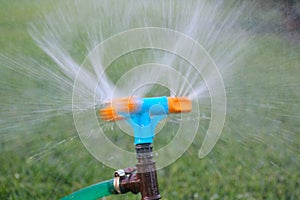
(143, 114)
(117, 109)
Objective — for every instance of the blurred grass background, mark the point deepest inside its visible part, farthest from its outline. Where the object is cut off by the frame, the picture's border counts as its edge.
(256, 157)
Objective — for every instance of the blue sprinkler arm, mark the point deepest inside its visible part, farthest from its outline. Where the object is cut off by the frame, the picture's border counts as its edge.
(143, 114)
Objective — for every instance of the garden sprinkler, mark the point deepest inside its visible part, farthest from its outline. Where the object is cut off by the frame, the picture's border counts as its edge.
(143, 114)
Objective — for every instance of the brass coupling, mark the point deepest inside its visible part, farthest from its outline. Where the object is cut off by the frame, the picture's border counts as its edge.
(126, 180)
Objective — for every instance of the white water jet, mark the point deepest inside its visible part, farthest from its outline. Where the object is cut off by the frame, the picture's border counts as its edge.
(72, 36)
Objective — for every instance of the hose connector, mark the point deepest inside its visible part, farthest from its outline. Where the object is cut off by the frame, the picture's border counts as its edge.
(141, 179)
(126, 180)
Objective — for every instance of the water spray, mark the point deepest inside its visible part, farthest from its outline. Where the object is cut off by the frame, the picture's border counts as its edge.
(143, 114)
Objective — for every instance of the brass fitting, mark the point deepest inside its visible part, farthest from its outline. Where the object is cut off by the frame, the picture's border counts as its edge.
(141, 179)
(126, 180)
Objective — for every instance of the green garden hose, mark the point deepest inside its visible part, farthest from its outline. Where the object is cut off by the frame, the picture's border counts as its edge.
(93, 192)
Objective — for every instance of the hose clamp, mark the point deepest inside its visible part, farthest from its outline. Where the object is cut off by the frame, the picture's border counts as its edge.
(118, 174)
(117, 184)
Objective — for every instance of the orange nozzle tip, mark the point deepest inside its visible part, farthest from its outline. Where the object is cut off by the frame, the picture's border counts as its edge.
(179, 104)
(127, 104)
(124, 105)
(109, 114)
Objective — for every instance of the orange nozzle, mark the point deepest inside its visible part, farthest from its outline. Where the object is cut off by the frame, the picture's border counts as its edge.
(125, 105)
(112, 110)
(179, 104)
(109, 114)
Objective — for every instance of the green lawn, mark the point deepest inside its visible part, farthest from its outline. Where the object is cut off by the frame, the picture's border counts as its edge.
(257, 157)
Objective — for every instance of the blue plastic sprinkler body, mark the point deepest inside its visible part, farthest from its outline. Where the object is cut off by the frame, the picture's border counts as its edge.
(143, 114)
(145, 120)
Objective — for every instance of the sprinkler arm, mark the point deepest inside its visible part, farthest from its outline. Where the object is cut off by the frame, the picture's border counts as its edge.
(143, 114)
(112, 111)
